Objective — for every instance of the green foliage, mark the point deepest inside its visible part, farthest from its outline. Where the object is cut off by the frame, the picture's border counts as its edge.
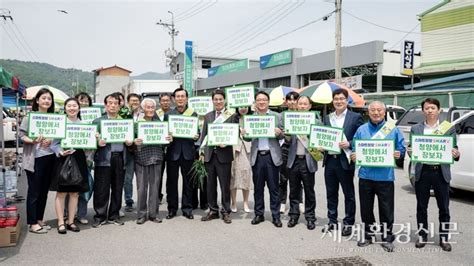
(33, 74)
(198, 174)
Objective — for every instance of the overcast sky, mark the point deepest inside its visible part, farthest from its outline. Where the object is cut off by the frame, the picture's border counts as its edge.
(98, 34)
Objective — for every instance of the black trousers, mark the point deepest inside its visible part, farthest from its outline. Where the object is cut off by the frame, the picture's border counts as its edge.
(265, 171)
(432, 178)
(221, 171)
(38, 187)
(284, 171)
(298, 174)
(384, 190)
(108, 184)
(172, 171)
(334, 175)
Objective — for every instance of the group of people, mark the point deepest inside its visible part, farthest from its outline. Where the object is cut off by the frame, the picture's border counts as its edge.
(251, 164)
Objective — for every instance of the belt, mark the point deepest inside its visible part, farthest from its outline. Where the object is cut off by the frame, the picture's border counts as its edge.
(301, 157)
(431, 167)
(117, 153)
(266, 152)
(335, 156)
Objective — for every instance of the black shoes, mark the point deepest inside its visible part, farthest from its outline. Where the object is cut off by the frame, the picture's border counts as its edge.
(420, 243)
(141, 220)
(156, 220)
(388, 246)
(347, 230)
(277, 222)
(73, 227)
(171, 215)
(329, 228)
(364, 242)
(190, 216)
(210, 216)
(311, 225)
(98, 223)
(445, 246)
(62, 229)
(116, 222)
(257, 219)
(292, 222)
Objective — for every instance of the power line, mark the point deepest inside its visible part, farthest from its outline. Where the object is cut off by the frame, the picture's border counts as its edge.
(189, 10)
(11, 39)
(24, 40)
(259, 17)
(286, 33)
(397, 43)
(264, 27)
(24, 44)
(402, 31)
(197, 11)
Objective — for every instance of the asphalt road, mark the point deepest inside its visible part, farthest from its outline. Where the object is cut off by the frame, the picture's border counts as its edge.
(183, 241)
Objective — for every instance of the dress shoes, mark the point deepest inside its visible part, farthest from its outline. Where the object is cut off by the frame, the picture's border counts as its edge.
(171, 215)
(292, 222)
(388, 246)
(364, 242)
(210, 216)
(311, 225)
(277, 222)
(420, 243)
(445, 246)
(141, 221)
(257, 219)
(329, 228)
(346, 231)
(190, 216)
(227, 218)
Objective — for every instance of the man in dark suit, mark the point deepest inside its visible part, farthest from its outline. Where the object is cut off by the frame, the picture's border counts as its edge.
(218, 161)
(180, 154)
(338, 167)
(436, 176)
(266, 159)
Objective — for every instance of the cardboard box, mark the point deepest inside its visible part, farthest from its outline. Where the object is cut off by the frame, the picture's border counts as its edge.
(9, 235)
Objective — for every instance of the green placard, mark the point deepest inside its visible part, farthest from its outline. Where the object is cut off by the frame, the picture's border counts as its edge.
(298, 123)
(88, 114)
(201, 105)
(240, 96)
(260, 126)
(326, 137)
(181, 126)
(276, 59)
(80, 136)
(116, 130)
(375, 153)
(52, 126)
(432, 149)
(222, 134)
(153, 132)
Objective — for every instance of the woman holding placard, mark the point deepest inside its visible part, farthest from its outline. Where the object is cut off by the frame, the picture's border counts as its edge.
(241, 169)
(38, 160)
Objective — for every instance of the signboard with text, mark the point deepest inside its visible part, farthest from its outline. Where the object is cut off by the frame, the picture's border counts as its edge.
(80, 136)
(407, 58)
(432, 149)
(240, 96)
(188, 67)
(375, 153)
(52, 126)
(116, 130)
(326, 137)
(201, 105)
(235, 66)
(260, 126)
(276, 59)
(298, 123)
(181, 126)
(152, 132)
(88, 114)
(222, 134)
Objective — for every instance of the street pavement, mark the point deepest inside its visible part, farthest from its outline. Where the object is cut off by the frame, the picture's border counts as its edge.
(183, 241)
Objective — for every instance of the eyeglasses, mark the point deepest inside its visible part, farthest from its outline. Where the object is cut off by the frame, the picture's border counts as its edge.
(339, 99)
(262, 100)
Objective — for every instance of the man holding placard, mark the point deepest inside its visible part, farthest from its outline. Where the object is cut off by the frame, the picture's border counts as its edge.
(180, 154)
(338, 168)
(431, 170)
(301, 168)
(375, 179)
(109, 162)
(265, 157)
(218, 155)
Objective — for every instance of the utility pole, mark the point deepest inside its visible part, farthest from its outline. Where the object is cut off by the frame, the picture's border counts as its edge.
(172, 54)
(337, 67)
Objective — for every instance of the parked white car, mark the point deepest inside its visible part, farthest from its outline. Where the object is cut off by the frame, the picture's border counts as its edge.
(462, 171)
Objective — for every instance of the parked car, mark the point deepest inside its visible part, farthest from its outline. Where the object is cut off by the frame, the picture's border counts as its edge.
(9, 126)
(415, 115)
(462, 171)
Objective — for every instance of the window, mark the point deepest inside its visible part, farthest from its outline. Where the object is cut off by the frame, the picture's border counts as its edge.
(205, 64)
(467, 127)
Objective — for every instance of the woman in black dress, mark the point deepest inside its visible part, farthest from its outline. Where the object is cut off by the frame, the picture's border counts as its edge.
(71, 107)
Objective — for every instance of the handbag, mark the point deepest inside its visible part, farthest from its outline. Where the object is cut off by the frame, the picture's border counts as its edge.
(69, 173)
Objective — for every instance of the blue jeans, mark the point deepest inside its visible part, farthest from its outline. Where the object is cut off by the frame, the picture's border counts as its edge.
(128, 184)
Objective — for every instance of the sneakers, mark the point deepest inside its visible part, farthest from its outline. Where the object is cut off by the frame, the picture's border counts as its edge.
(128, 208)
(98, 223)
(388, 246)
(210, 216)
(116, 222)
(282, 208)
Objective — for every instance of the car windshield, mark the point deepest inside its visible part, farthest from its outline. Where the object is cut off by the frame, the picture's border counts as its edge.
(414, 117)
